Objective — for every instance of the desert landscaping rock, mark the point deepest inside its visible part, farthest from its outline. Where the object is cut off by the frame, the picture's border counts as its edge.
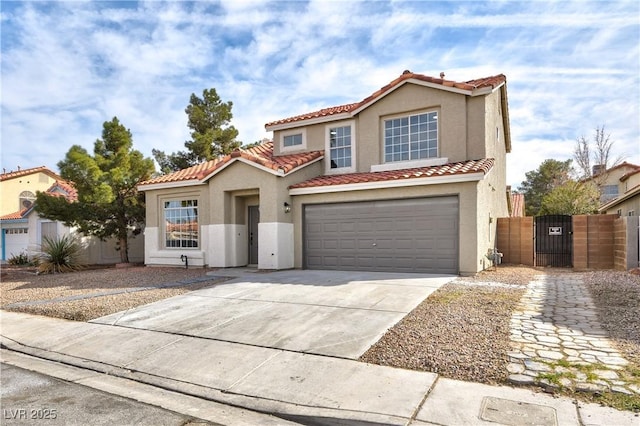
(90, 294)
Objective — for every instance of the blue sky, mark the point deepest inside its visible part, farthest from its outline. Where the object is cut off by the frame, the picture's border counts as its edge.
(69, 66)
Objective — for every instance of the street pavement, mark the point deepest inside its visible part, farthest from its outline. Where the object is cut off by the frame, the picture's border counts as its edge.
(28, 397)
(294, 379)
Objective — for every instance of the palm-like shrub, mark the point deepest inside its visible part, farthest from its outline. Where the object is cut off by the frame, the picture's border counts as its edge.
(60, 255)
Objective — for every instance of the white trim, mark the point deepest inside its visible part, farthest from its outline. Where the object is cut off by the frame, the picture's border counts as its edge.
(327, 149)
(414, 81)
(425, 111)
(297, 131)
(399, 165)
(309, 121)
(469, 177)
(167, 185)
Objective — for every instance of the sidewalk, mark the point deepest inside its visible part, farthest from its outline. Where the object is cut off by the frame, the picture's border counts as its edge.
(290, 385)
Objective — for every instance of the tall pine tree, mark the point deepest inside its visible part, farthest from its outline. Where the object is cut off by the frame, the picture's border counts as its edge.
(211, 134)
(108, 205)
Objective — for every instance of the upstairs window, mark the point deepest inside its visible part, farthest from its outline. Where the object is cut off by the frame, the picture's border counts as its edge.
(26, 199)
(609, 192)
(292, 140)
(181, 224)
(411, 137)
(340, 147)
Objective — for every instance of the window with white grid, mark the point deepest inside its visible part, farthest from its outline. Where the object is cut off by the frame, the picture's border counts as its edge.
(181, 224)
(412, 137)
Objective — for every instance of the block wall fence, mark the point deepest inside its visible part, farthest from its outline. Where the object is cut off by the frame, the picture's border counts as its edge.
(598, 241)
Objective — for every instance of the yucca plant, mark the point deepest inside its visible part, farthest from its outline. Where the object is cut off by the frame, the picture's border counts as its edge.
(60, 255)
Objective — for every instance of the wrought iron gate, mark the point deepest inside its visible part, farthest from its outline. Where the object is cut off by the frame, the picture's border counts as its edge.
(553, 240)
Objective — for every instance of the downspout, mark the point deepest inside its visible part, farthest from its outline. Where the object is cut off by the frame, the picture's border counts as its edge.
(4, 246)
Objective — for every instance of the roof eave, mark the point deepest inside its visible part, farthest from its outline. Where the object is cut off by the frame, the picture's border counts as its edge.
(431, 180)
(414, 81)
(624, 197)
(167, 185)
(309, 121)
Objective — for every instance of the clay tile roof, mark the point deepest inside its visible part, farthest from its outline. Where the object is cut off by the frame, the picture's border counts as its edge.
(26, 172)
(492, 82)
(517, 205)
(15, 215)
(460, 168)
(63, 188)
(261, 155)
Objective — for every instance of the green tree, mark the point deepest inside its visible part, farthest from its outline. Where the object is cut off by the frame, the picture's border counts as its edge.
(540, 182)
(109, 204)
(572, 198)
(211, 134)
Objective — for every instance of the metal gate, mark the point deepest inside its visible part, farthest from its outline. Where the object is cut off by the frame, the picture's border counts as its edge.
(553, 240)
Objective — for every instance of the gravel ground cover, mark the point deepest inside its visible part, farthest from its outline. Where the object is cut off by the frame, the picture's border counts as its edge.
(617, 296)
(461, 331)
(23, 285)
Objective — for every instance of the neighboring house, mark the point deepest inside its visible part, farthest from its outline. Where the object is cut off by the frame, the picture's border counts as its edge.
(23, 231)
(610, 181)
(18, 189)
(626, 179)
(412, 178)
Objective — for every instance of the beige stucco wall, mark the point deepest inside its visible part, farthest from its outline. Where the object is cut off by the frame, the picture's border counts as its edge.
(223, 201)
(10, 190)
(631, 205)
(469, 261)
(460, 125)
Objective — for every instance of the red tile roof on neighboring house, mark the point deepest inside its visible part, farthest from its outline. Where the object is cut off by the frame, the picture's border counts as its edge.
(26, 172)
(261, 155)
(63, 188)
(15, 215)
(491, 82)
(517, 205)
(460, 168)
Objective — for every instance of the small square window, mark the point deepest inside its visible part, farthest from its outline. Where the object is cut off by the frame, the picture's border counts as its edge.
(292, 140)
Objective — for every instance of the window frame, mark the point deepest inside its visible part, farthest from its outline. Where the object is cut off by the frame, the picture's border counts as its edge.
(299, 131)
(606, 196)
(165, 232)
(408, 117)
(340, 170)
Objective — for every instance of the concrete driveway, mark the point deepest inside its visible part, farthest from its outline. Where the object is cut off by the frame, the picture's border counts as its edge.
(331, 313)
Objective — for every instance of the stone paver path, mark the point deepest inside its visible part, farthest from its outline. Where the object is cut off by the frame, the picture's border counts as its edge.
(557, 340)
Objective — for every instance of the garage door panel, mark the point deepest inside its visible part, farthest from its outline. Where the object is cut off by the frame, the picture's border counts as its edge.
(414, 235)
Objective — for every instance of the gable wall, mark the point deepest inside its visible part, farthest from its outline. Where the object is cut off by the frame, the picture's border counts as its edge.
(10, 190)
(461, 125)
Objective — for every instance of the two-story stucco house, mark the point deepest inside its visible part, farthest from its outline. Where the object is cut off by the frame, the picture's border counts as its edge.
(412, 178)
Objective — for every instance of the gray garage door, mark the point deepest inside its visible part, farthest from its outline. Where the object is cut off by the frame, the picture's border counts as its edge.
(414, 235)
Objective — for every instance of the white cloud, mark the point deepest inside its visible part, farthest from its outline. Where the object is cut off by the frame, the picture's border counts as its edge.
(68, 67)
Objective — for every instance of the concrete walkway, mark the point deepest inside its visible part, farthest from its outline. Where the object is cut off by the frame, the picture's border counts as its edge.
(558, 341)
